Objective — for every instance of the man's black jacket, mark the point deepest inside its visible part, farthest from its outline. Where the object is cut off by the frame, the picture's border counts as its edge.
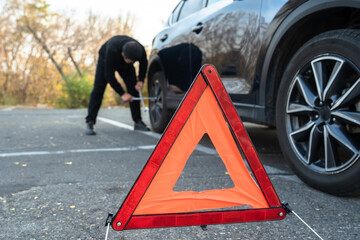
(110, 53)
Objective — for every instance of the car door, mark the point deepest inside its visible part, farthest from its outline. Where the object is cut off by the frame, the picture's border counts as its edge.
(171, 70)
(227, 34)
(176, 48)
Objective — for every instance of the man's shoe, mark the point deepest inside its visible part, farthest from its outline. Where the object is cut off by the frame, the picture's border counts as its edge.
(140, 126)
(90, 128)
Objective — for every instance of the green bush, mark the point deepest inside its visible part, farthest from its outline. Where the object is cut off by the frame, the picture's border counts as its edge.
(76, 92)
(8, 100)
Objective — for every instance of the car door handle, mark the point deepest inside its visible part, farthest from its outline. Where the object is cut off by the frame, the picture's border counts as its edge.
(198, 28)
(163, 38)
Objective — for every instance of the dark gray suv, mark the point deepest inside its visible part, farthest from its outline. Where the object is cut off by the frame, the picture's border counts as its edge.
(294, 65)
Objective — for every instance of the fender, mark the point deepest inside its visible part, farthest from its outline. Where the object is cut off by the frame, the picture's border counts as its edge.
(275, 35)
(155, 65)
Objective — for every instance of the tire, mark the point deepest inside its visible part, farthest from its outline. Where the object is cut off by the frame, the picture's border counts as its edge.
(318, 112)
(158, 112)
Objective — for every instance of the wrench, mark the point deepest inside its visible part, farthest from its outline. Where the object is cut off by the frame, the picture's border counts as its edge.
(141, 98)
(145, 98)
(145, 109)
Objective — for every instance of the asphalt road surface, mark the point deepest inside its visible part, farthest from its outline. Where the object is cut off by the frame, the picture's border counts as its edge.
(58, 183)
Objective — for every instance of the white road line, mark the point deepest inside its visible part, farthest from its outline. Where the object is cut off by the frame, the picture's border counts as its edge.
(116, 123)
(128, 127)
(19, 154)
(8, 109)
(203, 149)
(200, 148)
(36, 153)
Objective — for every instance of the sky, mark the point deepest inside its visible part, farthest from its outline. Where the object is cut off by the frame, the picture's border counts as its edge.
(150, 15)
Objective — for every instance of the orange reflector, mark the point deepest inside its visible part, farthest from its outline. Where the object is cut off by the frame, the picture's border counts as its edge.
(152, 202)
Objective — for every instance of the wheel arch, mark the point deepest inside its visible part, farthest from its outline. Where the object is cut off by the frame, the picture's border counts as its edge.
(155, 65)
(309, 19)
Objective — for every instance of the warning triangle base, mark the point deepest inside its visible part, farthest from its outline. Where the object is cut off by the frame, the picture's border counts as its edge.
(205, 218)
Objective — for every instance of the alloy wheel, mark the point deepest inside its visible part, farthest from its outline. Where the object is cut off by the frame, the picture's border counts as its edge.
(323, 114)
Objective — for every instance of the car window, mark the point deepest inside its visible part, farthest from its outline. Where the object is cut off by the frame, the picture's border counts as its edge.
(190, 7)
(209, 2)
(175, 14)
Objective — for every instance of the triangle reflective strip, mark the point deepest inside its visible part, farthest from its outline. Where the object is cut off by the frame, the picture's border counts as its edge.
(151, 202)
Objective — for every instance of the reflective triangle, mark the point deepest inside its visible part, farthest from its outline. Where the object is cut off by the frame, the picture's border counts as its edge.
(152, 202)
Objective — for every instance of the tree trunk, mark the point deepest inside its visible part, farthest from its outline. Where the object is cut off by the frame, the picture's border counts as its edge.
(74, 62)
(46, 49)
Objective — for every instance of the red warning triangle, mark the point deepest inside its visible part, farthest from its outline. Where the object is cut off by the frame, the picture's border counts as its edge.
(152, 202)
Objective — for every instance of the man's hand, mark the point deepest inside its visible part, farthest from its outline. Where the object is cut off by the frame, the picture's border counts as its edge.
(126, 97)
(139, 86)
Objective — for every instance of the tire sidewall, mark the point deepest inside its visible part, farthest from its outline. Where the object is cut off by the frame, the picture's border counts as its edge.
(164, 119)
(331, 43)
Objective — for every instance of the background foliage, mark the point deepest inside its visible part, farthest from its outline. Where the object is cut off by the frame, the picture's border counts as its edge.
(49, 58)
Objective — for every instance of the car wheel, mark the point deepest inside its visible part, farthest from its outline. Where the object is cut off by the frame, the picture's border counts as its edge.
(318, 112)
(158, 112)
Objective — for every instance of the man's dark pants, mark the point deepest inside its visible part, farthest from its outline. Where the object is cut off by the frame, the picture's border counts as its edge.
(97, 94)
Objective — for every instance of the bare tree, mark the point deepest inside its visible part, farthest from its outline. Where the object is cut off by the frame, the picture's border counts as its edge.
(40, 49)
(36, 20)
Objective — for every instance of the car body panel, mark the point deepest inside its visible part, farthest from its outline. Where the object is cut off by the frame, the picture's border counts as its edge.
(257, 34)
(184, 51)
